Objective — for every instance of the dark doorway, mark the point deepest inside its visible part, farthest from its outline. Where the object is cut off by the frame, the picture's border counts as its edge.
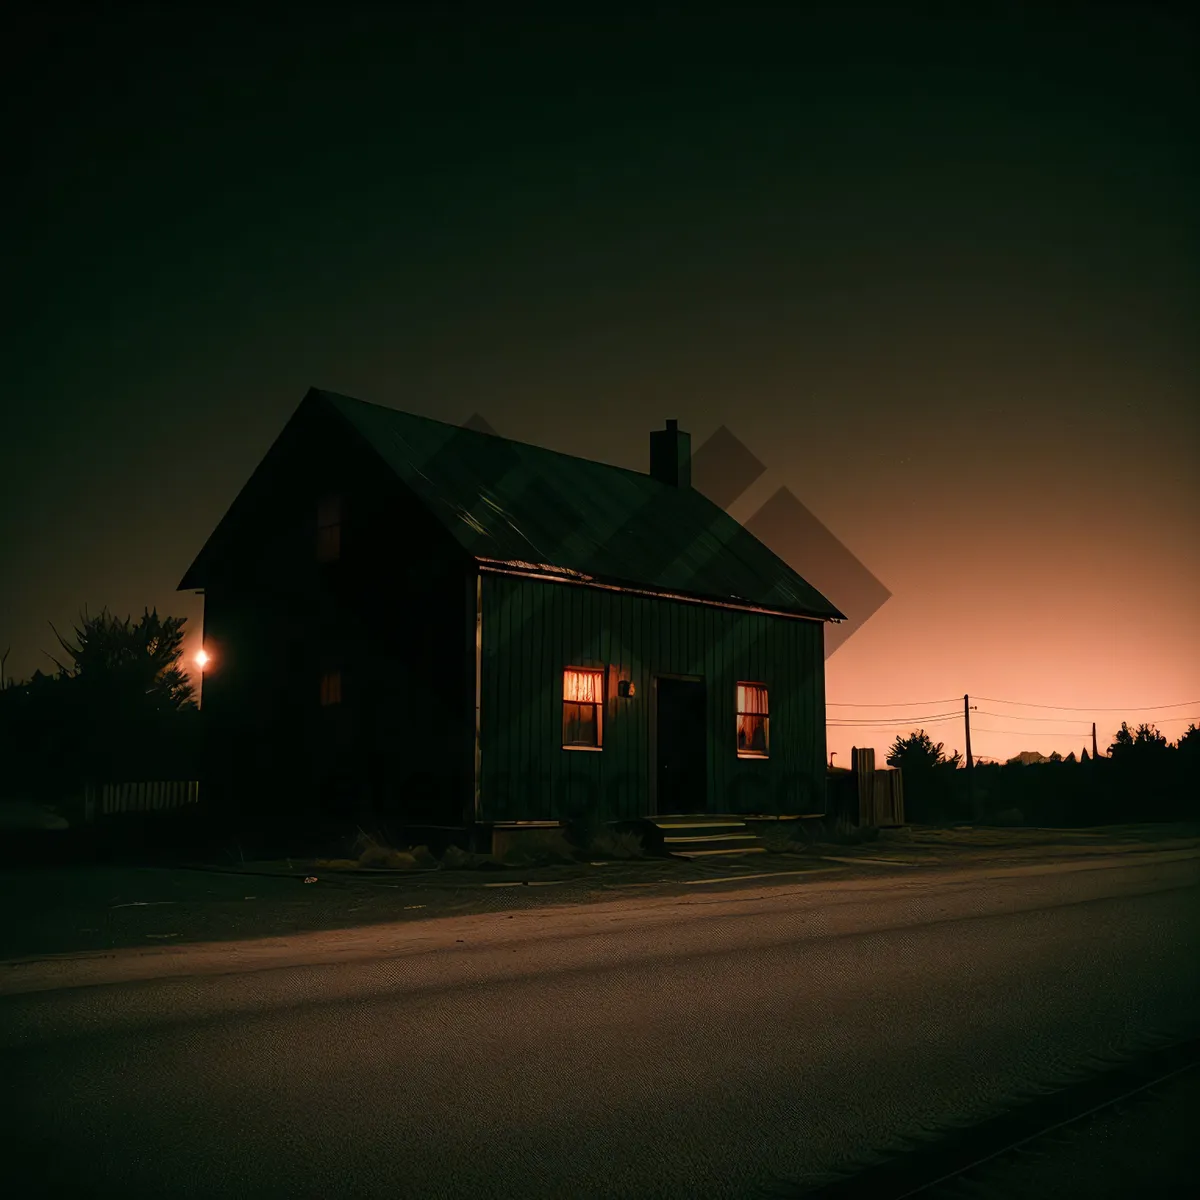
(680, 746)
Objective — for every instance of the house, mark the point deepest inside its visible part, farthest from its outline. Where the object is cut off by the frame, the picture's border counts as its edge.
(440, 627)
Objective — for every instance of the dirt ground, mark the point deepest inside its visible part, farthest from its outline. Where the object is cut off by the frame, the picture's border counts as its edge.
(93, 908)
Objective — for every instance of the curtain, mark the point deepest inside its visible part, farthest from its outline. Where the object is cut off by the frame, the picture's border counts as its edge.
(752, 718)
(583, 687)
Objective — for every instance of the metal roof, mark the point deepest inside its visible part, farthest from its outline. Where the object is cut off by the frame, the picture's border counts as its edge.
(521, 507)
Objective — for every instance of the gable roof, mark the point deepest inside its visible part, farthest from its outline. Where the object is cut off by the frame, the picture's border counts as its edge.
(518, 507)
(527, 507)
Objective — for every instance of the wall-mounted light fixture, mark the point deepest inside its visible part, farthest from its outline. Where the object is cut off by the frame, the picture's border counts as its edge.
(625, 688)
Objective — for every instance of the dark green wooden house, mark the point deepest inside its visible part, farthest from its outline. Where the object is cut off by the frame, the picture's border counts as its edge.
(428, 625)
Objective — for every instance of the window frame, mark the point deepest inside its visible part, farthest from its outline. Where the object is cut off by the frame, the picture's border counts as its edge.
(601, 674)
(745, 714)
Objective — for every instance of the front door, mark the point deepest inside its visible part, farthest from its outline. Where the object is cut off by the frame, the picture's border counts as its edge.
(680, 746)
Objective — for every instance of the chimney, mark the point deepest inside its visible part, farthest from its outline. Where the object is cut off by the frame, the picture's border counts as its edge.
(671, 455)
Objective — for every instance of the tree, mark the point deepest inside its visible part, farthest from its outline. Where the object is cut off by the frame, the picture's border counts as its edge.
(1189, 743)
(134, 668)
(1141, 741)
(917, 753)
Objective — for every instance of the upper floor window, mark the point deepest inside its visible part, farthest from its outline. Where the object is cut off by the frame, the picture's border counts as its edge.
(331, 688)
(752, 720)
(583, 708)
(329, 529)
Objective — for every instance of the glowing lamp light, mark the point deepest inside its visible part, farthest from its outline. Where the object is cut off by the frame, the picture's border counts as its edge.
(202, 659)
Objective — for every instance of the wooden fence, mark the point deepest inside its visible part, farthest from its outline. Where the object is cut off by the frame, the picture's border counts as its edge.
(880, 792)
(158, 795)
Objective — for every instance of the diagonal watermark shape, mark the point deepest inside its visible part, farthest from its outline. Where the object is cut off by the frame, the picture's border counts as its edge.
(723, 469)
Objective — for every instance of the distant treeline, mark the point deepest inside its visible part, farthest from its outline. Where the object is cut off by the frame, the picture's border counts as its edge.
(1143, 778)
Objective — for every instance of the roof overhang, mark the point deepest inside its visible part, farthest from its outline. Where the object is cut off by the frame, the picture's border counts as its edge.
(548, 573)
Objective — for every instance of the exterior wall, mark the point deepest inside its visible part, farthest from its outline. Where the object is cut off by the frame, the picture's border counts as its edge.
(391, 614)
(533, 629)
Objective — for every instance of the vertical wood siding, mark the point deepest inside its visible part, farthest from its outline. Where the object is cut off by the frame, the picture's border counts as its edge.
(532, 630)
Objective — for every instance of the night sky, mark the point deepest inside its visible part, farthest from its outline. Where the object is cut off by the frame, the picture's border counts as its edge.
(940, 276)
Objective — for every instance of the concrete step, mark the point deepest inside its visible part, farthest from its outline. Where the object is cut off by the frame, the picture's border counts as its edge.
(703, 835)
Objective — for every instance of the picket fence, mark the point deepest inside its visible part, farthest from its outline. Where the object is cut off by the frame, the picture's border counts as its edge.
(143, 796)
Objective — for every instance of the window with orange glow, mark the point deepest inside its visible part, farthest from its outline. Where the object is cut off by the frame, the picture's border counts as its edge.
(331, 688)
(329, 529)
(583, 708)
(752, 719)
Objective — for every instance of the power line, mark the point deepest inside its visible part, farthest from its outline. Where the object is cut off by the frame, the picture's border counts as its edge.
(1066, 733)
(898, 704)
(1090, 709)
(884, 721)
(898, 723)
(984, 712)
(1051, 720)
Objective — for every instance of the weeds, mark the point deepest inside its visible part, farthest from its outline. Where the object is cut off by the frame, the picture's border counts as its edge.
(591, 838)
(614, 843)
(843, 832)
(781, 837)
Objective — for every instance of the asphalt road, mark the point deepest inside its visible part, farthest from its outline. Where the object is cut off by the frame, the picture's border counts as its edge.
(709, 1045)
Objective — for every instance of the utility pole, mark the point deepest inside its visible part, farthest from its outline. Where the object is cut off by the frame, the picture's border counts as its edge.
(976, 815)
(1093, 740)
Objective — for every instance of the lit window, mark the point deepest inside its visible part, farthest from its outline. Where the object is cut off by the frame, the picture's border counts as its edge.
(752, 720)
(331, 688)
(329, 529)
(583, 707)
